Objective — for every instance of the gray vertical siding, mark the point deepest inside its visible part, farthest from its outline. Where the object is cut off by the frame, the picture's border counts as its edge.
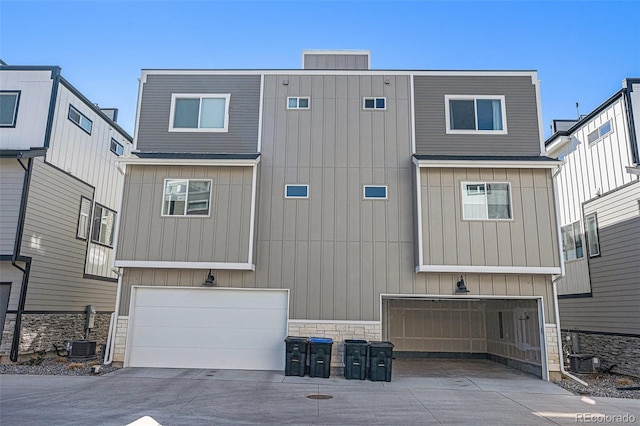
(222, 237)
(530, 239)
(522, 121)
(56, 281)
(336, 62)
(12, 180)
(615, 287)
(242, 137)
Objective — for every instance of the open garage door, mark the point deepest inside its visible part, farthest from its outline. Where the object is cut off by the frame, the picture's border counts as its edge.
(217, 328)
(507, 330)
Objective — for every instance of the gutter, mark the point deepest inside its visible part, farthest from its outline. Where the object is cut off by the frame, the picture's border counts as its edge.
(113, 324)
(15, 342)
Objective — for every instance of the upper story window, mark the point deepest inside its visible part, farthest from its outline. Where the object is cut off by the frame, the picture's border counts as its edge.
(591, 229)
(475, 114)
(80, 119)
(601, 131)
(104, 225)
(199, 113)
(9, 101)
(116, 147)
(296, 191)
(84, 218)
(186, 197)
(486, 201)
(374, 103)
(298, 102)
(572, 241)
(375, 192)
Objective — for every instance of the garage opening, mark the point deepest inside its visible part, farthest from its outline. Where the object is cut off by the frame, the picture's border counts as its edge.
(507, 331)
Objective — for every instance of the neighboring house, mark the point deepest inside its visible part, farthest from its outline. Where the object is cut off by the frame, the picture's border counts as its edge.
(337, 201)
(599, 208)
(59, 194)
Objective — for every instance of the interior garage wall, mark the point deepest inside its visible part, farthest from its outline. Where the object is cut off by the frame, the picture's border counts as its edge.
(437, 326)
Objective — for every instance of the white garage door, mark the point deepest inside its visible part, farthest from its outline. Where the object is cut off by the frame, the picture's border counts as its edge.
(218, 328)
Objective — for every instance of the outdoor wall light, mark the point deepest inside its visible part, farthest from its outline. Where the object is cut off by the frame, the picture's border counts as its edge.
(285, 82)
(461, 287)
(210, 281)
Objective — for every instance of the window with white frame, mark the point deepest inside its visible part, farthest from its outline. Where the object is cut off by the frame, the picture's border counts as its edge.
(601, 131)
(475, 114)
(84, 218)
(374, 103)
(9, 101)
(375, 192)
(104, 222)
(593, 240)
(116, 147)
(80, 119)
(186, 197)
(486, 201)
(199, 113)
(298, 102)
(296, 191)
(572, 241)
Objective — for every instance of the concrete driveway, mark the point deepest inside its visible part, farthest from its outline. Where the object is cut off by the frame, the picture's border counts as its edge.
(421, 392)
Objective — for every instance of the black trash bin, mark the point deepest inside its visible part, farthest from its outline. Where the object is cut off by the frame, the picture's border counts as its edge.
(320, 356)
(380, 361)
(296, 356)
(355, 359)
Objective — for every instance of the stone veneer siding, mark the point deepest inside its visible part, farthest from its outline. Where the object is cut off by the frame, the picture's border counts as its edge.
(611, 349)
(553, 357)
(339, 331)
(121, 340)
(38, 332)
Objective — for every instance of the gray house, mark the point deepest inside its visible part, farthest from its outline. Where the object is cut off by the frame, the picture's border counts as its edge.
(599, 209)
(59, 196)
(337, 201)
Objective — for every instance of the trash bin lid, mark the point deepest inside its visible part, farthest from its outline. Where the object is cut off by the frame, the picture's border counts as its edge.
(381, 344)
(292, 339)
(355, 342)
(320, 340)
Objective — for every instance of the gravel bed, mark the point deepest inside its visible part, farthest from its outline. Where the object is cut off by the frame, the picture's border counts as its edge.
(602, 384)
(57, 367)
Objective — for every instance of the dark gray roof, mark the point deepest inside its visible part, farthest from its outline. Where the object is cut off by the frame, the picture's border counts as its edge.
(196, 155)
(471, 158)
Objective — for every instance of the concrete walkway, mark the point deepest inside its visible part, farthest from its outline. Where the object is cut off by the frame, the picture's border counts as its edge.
(421, 392)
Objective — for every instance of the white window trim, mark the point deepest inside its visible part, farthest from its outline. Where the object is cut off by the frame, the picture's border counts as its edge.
(364, 192)
(295, 197)
(185, 215)
(113, 231)
(600, 136)
(374, 103)
(174, 96)
(308, 98)
(14, 120)
(447, 115)
(488, 219)
(87, 215)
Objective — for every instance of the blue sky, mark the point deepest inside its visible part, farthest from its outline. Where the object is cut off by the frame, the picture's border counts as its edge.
(581, 50)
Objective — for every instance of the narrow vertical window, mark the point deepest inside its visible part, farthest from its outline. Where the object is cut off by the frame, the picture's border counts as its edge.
(593, 242)
(84, 218)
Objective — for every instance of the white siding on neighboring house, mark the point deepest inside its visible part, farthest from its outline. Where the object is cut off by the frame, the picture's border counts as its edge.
(89, 158)
(590, 169)
(33, 108)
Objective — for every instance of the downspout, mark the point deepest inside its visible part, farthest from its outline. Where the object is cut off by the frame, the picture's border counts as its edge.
(15, 342)
(554, 283)
(113, 325)
(560, 353)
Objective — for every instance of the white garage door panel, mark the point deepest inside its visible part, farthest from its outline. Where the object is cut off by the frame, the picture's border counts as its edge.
(207, 298)
(207, 338)
(193, 327)
(214, 359)
(208, 317)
